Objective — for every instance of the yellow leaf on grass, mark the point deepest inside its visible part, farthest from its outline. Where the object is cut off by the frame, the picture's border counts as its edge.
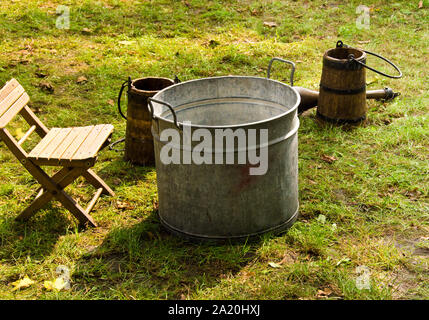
(19, 133)
(58, 284)
(23, 283)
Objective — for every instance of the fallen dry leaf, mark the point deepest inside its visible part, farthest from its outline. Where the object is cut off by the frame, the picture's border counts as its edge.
(46, 86)
(270, 24)
(155, 205)
(81, 79)
(288, 257)
(213, 43)
(40, 74)
(23, 283)
(58, 284)
(420, 4)
(274, 265)
(324, 293)
(19, 133)
(124, 205)
(245, 275)
(127, 42)
(23, 61)
(111, 102)
(344, 260)
(328, 159)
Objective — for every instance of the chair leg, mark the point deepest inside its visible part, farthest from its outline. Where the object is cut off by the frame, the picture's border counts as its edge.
(68, 202)
(54, 187)
(36, 205)
(97, 182)
(42, 198)
(71, 205)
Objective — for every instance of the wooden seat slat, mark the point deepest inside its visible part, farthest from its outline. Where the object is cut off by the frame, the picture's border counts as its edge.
(83, 151)
(74, 146)
(43, 143)
(54, 144)
(92, 149)
(73, 134)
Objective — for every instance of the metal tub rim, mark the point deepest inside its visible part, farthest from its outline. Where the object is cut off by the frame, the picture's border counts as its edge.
(239, 125)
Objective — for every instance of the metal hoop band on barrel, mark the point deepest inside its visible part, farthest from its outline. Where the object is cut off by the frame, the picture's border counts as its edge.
(340, 121)
(344, 92)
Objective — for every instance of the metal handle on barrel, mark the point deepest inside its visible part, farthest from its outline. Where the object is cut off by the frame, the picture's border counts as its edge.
(127, 82)
(285, 61)
(351, 57)
(151, 110)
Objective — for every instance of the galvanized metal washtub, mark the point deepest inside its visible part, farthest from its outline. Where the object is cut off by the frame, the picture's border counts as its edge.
(223, 201)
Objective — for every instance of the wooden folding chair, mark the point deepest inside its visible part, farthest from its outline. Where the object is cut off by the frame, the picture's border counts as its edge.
(73, 149)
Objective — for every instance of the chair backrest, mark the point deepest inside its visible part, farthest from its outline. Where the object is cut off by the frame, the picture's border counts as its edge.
(13, 99)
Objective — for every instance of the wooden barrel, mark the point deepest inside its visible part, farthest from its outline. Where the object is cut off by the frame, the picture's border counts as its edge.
(138, 137)
(342, 97)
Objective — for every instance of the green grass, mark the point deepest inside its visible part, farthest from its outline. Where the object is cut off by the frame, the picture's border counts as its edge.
(368, 208)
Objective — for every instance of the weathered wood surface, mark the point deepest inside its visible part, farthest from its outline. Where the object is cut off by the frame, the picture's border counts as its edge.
(69, 145)
(138, 137)
(75, 149)
(340, 75)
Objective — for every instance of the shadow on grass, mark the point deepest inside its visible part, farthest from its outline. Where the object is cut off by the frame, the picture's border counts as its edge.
(118, 168)
(145, 261)
(36, 237)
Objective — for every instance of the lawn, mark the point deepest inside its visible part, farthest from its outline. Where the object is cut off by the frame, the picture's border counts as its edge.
(363, 214)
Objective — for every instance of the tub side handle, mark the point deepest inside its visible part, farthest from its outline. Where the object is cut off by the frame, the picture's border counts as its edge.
(151, 110)
(285, 61)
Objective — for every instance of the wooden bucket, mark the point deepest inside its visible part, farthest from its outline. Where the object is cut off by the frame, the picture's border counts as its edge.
(138, 138)
(342, 97)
